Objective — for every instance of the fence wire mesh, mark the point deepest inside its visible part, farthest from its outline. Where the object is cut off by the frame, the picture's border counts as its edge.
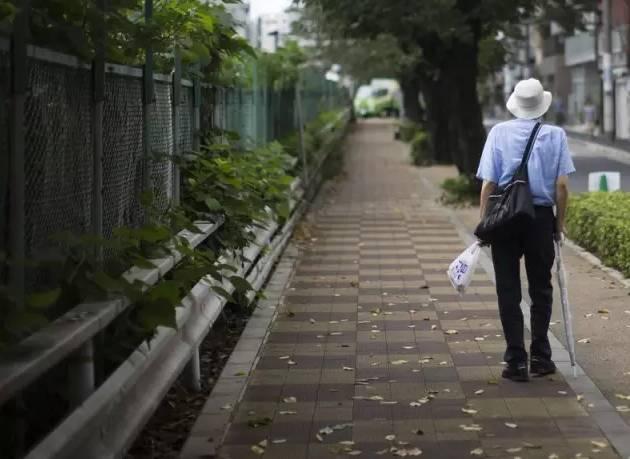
(58, 156)
(122, 152)
(59, 160)
(162, 146)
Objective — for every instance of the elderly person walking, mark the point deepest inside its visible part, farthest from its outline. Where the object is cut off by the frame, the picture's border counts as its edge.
(548, 167)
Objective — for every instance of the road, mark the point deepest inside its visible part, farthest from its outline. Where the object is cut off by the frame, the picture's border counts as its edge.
(589, 157)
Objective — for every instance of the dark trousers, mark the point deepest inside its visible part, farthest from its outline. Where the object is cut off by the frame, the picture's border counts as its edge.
(534, 241)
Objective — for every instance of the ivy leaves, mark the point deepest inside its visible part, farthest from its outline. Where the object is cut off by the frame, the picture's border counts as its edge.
(239, 185)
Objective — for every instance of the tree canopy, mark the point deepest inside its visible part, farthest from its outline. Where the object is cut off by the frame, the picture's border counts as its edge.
(448, 36)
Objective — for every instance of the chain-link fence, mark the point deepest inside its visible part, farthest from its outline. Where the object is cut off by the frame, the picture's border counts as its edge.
(59, 152)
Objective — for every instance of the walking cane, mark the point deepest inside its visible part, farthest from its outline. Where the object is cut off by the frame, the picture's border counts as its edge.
(566, 307)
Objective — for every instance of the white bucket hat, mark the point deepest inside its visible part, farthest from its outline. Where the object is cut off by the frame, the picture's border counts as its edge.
(529, 100)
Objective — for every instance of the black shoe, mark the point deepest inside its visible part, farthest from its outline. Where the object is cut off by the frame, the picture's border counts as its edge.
(516, 373)
(542, 367)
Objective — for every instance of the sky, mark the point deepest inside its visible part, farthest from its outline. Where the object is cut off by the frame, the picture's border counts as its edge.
(259, 7)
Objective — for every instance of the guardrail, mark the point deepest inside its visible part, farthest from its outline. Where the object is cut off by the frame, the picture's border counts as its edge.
(106, 419)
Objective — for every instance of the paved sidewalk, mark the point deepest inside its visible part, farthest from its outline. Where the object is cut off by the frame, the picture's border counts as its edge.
(374, 355)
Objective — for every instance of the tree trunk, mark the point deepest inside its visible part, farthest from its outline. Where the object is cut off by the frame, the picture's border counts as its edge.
(467, 114)
(439, 99)
(410, 87)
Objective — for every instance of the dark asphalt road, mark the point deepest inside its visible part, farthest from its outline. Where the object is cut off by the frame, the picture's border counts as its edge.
(584, 165)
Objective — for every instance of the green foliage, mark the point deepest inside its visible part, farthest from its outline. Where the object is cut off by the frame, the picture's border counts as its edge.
(492, 56)
(421, 151)
(282, 67)
(244, 187)
(315, 135)
(407, 131)
(203, 31)
(240, 185)
(599, 223)
(460, 191)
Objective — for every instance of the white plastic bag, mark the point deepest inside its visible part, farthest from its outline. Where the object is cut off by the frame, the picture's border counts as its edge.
(461, 271)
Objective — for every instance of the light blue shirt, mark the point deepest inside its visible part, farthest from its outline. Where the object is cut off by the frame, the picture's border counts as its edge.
(550, 157)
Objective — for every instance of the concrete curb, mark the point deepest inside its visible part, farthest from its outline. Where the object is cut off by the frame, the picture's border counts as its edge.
(213, 421)
(596, 262)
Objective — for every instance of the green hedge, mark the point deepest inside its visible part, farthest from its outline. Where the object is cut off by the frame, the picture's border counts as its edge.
(421, 151)
(600, 222)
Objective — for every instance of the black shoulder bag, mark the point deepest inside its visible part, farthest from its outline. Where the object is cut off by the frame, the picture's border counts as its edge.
(512, 205)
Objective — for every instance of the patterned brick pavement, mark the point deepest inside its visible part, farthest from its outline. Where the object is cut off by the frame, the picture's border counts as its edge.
(372, 353)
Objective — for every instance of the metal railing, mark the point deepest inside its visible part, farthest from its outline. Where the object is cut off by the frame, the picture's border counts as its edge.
(106, 419)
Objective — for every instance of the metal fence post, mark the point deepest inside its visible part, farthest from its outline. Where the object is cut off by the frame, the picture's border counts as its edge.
(300, 120)
(17, 213)
(196, 109)
(177, 91)
(81, 374)
(81, 367)
(148, 101)
(192, 371)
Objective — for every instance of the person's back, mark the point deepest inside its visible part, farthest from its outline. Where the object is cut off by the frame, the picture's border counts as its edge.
(548, 168)
(549, 158)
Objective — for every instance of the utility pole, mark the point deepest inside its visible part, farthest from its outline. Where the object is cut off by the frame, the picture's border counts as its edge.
(609, 99)
(526, 71)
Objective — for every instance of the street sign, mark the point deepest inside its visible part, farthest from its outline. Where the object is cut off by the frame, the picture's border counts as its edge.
(604, 181)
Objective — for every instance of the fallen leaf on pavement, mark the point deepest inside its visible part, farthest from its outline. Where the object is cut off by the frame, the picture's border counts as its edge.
(471, 427)
(257, 450)
(531, 445)
(259, 422)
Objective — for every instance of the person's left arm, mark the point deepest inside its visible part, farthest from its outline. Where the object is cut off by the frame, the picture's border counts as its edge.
(488, 171)
(487, 189)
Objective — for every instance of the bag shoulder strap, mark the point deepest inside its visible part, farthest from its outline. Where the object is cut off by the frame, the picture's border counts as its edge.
(521, 172)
